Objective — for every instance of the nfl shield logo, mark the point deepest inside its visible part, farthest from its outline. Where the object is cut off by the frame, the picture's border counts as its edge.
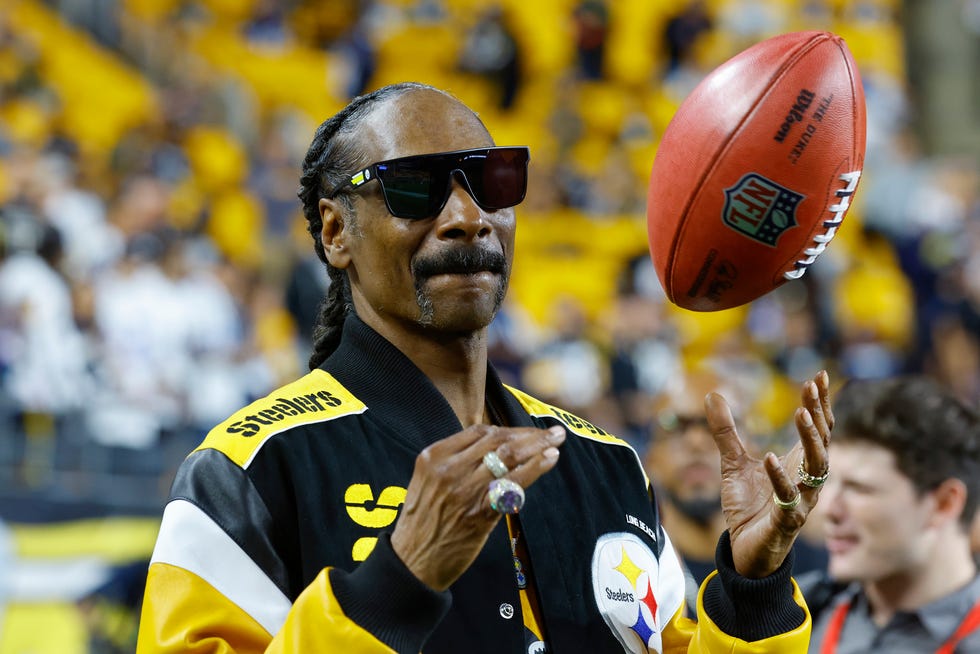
(760, 208)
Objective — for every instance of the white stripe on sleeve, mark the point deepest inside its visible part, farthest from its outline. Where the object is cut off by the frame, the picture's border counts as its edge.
(191, 540)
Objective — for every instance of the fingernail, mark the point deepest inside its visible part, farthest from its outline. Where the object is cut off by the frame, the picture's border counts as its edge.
(807, 418)
(813, 391)
(551, 453)
(556, 434)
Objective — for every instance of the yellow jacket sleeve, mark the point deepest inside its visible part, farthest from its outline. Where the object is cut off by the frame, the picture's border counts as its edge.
(737, 615)
(205, 595)
(183, 613)
(683, 635)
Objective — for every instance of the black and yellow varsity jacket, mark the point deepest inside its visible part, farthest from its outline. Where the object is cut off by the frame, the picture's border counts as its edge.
(276, 536)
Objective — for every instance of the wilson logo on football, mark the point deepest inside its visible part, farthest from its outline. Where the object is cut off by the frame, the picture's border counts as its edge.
(838, 209)
(760, 208)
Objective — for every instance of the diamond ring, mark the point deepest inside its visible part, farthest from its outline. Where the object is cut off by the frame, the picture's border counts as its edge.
(813, 481)
(493, 463)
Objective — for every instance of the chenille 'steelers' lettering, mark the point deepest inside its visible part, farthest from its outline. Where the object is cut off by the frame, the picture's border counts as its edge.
(576, 423)
(838, 209)
(313, 399)
(573, 423)
(282, 408)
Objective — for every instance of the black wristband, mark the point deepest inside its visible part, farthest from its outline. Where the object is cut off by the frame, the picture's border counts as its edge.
(386, 599)
(751, 609)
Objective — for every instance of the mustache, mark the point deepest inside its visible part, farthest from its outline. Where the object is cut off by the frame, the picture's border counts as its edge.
(460, 261)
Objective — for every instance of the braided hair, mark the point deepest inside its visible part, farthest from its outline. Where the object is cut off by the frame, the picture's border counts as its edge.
(328, 164)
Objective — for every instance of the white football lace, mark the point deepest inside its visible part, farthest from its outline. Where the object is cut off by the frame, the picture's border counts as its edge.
(838, 209)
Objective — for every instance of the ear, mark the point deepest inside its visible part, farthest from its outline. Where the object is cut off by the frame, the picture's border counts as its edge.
(950, 497)
(334, 234)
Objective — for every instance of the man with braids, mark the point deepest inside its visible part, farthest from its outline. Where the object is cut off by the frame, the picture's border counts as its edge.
(400, 498)
(897, 517)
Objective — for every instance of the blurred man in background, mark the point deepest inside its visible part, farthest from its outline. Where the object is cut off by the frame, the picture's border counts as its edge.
(898, 511)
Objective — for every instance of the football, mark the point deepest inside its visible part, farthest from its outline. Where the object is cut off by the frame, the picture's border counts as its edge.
(756, 171)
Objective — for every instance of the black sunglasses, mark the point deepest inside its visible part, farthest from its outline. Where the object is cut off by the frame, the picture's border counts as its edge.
(419, 186)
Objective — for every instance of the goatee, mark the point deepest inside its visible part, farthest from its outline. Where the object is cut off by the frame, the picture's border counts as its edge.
(457, 261)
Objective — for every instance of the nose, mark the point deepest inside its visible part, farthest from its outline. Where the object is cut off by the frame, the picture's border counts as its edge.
(832, 501)
(698, 437)
(462, 218)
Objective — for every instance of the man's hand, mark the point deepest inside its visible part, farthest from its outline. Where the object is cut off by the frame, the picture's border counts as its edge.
(762, 532)
(447, 517)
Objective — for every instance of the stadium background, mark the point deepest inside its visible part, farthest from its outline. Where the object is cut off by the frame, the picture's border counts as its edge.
(155, 273)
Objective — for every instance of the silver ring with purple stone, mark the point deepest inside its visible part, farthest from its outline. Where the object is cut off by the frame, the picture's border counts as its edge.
(505, 496)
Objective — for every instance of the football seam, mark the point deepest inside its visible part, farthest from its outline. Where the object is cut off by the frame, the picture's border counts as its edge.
(802, 50)
(789, 263)
(858, 157)
(854, 160)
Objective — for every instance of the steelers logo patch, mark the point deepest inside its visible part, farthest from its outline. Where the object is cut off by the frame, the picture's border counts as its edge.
(636, 594)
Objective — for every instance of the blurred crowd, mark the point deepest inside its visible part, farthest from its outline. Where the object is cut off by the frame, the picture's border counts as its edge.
(155, 272)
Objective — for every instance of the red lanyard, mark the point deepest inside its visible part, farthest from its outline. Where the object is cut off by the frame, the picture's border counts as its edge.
(970, 623)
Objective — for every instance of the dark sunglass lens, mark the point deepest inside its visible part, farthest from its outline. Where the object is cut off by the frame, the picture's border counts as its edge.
(408, 188)
(500, 179)
(418, 187)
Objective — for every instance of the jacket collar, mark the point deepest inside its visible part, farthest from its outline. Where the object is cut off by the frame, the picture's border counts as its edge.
(396, 391)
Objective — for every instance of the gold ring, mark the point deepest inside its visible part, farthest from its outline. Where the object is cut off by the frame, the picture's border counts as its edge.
(807, 479)
(792, 504)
